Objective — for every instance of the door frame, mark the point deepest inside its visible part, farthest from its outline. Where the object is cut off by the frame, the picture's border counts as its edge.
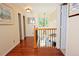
(20, 27)
(61, 20)
(24, 26)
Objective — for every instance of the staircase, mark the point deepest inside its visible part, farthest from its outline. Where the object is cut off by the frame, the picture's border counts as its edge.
(44, 37)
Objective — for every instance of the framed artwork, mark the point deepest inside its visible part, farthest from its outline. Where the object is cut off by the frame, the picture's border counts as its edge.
(73, 9)
(31, 20)
(5, 14)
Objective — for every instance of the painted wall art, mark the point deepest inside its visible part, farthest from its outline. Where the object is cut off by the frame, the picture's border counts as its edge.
(5, 14)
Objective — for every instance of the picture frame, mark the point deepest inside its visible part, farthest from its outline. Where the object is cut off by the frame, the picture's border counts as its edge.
(31, 20)
(5, 14)
(73, 9)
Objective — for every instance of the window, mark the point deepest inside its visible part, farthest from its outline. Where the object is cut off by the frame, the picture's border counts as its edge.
(42, 22)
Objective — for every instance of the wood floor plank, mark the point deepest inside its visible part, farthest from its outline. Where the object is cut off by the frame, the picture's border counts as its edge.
(25, 48)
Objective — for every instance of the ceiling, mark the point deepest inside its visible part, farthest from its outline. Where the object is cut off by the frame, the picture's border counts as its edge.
(38, 8)
(35, 4)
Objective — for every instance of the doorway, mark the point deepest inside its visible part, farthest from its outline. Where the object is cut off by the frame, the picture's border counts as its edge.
(24, 25)
(20, 27)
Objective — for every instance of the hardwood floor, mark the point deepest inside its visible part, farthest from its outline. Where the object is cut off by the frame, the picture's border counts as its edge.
(25, 48)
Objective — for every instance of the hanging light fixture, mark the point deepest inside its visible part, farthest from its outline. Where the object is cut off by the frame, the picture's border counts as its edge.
(28, 10)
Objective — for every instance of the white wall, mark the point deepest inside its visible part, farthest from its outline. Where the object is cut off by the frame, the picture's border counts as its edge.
(23, 13)
(53, 21)
(51, 24)
(72, 39)
(9, 34)
(52, 16)
(73, 36)
(58, 27)
(29, 27)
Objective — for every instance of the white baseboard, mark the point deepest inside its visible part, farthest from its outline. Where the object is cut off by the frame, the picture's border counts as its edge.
(63, 51)
(11, 48)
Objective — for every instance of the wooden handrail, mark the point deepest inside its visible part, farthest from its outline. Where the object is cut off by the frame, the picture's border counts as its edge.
(45, 28)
